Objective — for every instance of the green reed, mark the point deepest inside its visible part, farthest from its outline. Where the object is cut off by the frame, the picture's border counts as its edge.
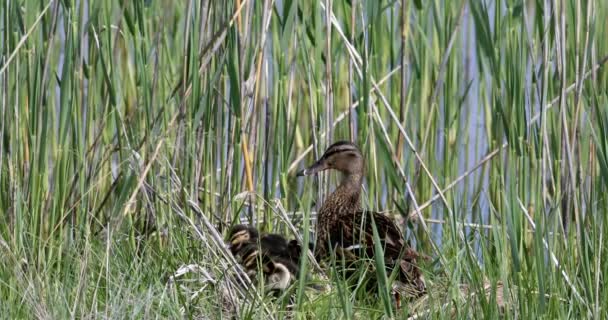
(119, 116)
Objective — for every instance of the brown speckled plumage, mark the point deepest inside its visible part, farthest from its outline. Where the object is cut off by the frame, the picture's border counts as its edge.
(338, 207)
(342, 224)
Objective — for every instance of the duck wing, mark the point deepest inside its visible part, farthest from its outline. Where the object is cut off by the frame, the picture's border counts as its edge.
(355, 233)
(354, 238)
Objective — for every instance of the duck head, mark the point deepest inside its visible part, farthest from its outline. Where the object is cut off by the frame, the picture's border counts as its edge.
(342, 156)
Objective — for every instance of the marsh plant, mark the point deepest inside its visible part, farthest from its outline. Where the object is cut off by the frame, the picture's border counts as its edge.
(134, 134)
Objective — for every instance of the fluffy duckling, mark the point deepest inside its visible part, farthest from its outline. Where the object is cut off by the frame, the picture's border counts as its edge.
(277, 258)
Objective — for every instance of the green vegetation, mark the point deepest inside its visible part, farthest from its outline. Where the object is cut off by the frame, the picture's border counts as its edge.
(133, 130)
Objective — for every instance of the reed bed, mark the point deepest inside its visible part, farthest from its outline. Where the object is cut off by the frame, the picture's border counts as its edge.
(135, 133)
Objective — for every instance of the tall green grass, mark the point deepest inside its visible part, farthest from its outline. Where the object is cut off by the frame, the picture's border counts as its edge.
(484, 127)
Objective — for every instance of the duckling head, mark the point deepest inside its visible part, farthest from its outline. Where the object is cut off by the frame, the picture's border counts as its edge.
(240, 235)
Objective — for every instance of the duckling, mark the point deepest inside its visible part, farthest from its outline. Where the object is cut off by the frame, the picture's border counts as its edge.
(344, 227)
(239, 236)
(278, 258)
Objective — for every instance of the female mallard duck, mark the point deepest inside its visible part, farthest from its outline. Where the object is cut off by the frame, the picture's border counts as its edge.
(277, 258)
(344, 227)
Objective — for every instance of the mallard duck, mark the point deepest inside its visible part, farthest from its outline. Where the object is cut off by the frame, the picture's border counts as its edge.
(272, 253)
(342, 226)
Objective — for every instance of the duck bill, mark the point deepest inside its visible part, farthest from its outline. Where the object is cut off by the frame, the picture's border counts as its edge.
(315, 168)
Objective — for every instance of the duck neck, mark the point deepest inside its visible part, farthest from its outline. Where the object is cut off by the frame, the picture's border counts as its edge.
(352, 182)
(349, 192)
